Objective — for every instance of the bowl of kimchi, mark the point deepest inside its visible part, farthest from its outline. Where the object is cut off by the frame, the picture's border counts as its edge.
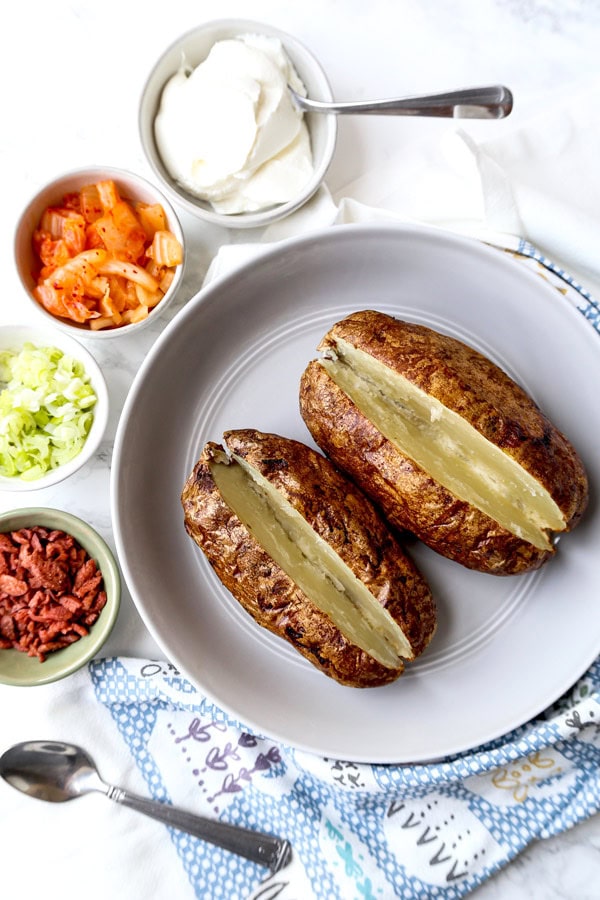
(100, 252)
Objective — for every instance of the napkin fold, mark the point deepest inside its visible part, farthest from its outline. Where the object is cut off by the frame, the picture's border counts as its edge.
(542, 182)
(537, 182)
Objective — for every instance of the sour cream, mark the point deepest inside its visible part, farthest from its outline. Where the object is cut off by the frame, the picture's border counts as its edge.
(228, 131)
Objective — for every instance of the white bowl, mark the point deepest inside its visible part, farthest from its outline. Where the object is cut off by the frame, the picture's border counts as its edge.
(131, 187)
(194, 47)
(13, 337)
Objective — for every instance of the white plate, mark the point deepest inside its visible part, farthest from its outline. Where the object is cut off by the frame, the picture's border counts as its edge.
(505, 647)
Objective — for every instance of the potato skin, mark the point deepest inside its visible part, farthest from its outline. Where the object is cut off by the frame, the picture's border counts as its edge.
(469, 384)
(340, 514)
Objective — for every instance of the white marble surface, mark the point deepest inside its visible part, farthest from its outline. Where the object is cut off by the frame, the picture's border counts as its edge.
(72, 73)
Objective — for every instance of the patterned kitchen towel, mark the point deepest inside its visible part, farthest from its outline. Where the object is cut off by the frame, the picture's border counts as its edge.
(358, 831)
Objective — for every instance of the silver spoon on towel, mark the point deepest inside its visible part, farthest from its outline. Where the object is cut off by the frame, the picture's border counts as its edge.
(494, 102)
(51, 770)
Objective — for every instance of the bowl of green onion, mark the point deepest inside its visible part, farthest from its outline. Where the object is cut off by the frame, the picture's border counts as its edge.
(53, 407)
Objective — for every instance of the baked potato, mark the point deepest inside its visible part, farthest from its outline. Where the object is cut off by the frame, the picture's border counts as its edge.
(447, 445)
(308, 556)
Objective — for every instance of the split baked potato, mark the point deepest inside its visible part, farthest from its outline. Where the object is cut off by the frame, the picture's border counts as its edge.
(308, 556)
(446, 444)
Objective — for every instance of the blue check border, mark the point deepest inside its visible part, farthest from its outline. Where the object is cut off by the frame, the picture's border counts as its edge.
(587, 305)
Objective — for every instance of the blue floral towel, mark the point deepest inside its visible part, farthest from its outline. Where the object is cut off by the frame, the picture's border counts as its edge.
(359, 832)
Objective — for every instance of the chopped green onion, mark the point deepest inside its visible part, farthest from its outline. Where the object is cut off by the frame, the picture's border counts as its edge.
(46, 403)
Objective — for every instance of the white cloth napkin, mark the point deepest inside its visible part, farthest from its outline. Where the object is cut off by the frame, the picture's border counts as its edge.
(542, 183)
(538, 184)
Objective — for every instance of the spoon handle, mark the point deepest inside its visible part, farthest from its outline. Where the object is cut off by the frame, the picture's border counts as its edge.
(493, 102)
(269, 851)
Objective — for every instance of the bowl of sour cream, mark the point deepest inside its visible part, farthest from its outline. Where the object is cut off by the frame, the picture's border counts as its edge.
(220, 129)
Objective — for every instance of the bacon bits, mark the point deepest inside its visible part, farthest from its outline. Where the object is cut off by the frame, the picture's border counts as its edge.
(51, 591)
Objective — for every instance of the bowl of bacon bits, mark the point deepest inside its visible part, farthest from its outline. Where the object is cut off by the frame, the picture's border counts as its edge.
(53, 406)
(60, 592)
(100, 252)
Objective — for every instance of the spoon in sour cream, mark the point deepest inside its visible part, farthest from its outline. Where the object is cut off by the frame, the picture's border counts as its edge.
(493, 102)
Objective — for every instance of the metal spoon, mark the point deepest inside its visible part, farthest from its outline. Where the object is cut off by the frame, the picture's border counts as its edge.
(51, 770)
(494, 102)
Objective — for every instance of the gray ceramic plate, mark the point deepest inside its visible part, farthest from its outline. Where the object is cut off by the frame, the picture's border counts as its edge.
(505, 647)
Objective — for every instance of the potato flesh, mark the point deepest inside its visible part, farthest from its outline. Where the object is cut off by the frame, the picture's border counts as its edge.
(309, 561)
(446, 446)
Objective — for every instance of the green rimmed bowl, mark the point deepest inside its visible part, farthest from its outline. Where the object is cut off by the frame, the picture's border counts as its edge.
(16, 668)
